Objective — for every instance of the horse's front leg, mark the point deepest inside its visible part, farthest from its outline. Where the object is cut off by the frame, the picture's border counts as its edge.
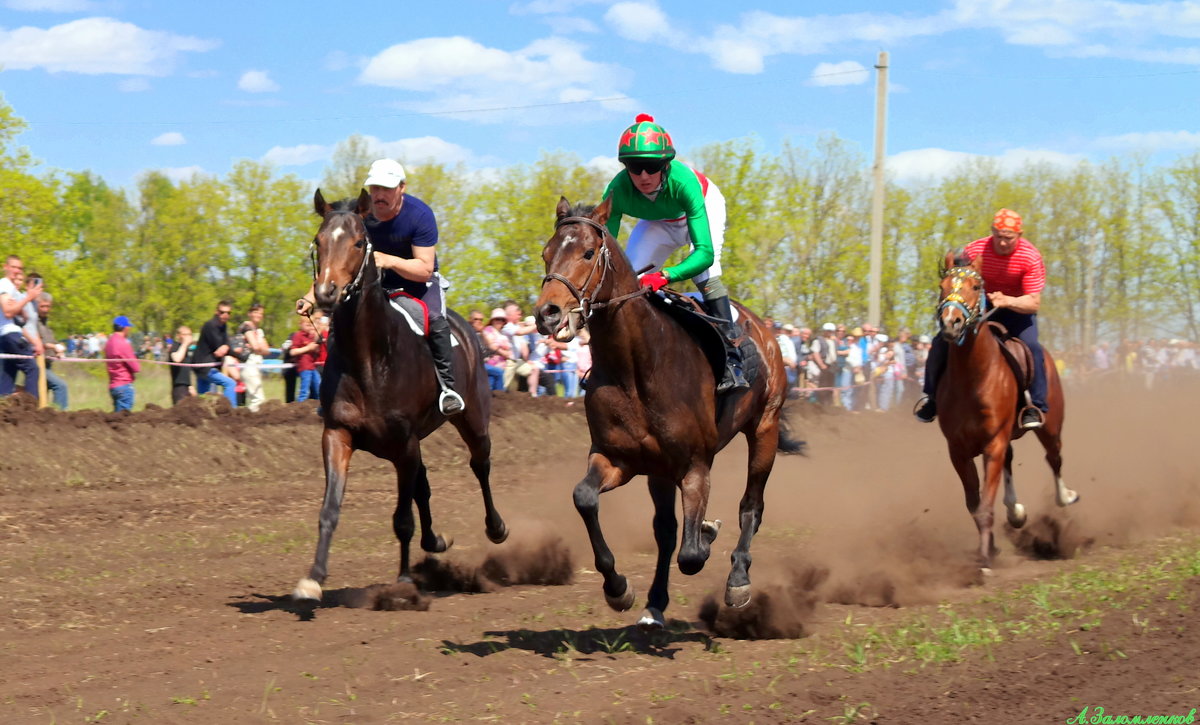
(666, 530)
(694, 550)
(1016, 511)
(432, 542)
(985, 514)
(602, 476)
(336, 450)
(964, 466)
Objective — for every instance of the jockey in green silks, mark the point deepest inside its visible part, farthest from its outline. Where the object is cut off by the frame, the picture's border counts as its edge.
(675, 205)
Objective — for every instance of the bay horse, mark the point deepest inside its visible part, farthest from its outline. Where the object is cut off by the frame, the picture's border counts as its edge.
(978, 404)
(652, 407)
(380, 393)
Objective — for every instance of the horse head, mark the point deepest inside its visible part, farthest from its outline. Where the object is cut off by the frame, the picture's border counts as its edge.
(584, 269)
(962, 300)
(341, 250)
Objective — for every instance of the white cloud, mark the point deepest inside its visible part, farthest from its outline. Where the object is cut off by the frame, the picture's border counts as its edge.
(638, 21)
(464, 76)
(297, 155)
(257, 81)
(422, 149)
(50, 6)
(183, 173)
(935, 163)
(133, 85)
(170, 138)
(1153, 141)
(608, 165)
(846, 73)
(95, 46)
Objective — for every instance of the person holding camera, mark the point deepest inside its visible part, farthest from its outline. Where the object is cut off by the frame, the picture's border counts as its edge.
(255, 347)
(211, 349)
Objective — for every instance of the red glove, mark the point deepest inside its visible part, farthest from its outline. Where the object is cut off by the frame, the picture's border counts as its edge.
(655, 281)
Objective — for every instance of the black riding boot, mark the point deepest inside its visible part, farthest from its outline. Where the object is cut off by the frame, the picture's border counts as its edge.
(733, 378)
(450, 402)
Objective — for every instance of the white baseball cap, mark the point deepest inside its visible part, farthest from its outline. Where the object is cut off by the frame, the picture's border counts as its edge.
(387, 173)
(829, 327)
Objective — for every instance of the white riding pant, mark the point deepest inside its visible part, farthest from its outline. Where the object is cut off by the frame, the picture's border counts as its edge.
(653, 242)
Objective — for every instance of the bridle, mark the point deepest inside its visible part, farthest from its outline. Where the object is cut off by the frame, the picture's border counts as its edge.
(976, 313)
(356, 284)
(602, 264)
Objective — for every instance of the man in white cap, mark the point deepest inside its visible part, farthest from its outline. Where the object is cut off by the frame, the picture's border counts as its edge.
(404, 234)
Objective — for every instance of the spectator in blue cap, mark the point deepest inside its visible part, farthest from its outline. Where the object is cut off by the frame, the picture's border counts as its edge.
(122, 364)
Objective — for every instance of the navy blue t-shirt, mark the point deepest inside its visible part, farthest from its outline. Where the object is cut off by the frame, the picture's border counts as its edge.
(414, 226)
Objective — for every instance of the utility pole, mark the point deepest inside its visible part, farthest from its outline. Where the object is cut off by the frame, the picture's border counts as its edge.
(877, 181)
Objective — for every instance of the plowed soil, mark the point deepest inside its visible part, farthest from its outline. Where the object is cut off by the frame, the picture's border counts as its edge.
(148, 560)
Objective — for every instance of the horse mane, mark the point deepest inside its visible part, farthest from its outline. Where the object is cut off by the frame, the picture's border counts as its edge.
(350, 203)
(581, 209)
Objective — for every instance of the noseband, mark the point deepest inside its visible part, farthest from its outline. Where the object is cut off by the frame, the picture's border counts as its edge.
(356, 284)
(975, 313)
(588, 303)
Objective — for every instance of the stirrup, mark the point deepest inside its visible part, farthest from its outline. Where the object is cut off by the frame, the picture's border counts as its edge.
(925, 410)
(733, 379)
(450, 402)
(1032, 417)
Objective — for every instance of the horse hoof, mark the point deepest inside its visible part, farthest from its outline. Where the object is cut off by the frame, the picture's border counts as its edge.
(498, 538)
(652, 620)
(1069, 497)
(622, 603)
(737, 597)
(710, 529)
(1017, 516)
(308, 590)
(986, 571)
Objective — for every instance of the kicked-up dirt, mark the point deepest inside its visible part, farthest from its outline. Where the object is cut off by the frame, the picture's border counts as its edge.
(148, 561)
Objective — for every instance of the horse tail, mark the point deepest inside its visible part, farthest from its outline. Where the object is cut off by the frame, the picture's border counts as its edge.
(788, 444)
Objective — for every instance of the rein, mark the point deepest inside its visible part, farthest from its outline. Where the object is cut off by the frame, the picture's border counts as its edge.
(588, 303)
(977, 314)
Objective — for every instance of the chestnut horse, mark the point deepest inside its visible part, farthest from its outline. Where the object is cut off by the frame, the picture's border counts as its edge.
(977, 404)
(652, 407)
(380, 392)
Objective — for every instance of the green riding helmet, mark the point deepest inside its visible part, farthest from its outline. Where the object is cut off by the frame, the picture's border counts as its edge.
(645, 139)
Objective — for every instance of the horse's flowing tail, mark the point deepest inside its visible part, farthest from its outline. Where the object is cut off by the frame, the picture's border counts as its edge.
(788, 444)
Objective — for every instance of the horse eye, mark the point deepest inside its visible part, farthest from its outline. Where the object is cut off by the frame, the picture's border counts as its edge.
(589, 254)
(361, 243)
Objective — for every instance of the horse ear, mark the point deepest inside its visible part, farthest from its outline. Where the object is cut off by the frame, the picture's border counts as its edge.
(319, 204)
(948, 261)
(601, 213)
(364, 203)
(563, 209)
(977, 264)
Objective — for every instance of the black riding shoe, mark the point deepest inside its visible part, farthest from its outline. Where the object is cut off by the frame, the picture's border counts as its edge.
(925, 410)
(449, 402)
(1031, 418)
(734, 378)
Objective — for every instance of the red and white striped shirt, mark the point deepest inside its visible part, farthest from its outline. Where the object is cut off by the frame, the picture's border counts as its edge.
(1017, 274)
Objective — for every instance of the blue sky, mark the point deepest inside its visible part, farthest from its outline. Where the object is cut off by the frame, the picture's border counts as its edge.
(123, 86)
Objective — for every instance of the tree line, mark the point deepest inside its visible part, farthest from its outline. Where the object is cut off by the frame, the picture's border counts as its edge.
(1121, 238)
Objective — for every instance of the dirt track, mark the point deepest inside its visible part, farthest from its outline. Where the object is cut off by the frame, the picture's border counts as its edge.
(147, 561)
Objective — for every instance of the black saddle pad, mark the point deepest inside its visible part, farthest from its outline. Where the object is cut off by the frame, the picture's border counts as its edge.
(686, 311)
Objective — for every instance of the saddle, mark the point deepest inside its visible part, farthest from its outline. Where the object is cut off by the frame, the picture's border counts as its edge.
(1019, 357)
(694, 318)
(415, 313)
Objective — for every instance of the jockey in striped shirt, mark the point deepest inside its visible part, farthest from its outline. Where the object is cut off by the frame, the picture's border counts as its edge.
(1014, 274)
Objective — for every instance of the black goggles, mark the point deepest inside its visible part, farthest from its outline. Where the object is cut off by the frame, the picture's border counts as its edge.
(647, 166)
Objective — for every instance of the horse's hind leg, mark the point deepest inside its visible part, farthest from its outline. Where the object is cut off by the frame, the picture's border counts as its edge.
(763, 445)
(1016, 511)
(1052, 442)
(408, 466)
(696, 544)
(336, 451)
(602, 476)
(666, 530)
(479, 442)
(430, 541)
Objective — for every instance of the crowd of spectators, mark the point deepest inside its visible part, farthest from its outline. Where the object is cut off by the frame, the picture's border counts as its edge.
(519, 359)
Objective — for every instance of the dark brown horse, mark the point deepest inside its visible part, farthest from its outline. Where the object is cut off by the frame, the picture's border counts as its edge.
(380, 392)
(977, 405)
(652, 408)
